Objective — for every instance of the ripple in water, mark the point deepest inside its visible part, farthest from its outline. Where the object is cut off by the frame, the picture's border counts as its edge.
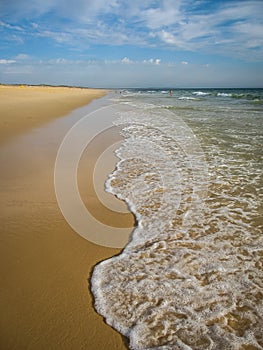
(191, 275)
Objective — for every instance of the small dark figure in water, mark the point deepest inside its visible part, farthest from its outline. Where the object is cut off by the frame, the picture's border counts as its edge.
(171, 93)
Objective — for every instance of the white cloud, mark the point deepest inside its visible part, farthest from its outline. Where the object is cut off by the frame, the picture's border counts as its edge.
(184, 62)
(126, 60)
(25, 9)
(167, 37)
(4, 61)
(59, 61)
(22, 56)
(155, 61)
(116, 74)
(233, 28)
(60, 37)
(167, 14)
(172, 40)
(253, 32)
(9, 26)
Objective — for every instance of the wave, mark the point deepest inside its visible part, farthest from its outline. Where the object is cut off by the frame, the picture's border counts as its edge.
(191, 275)
(189, 98)
(249, 95)
(246, 96)
(224, 94)
(201, 93)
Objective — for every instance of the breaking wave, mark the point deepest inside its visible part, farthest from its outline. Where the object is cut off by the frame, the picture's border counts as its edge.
(191, 274)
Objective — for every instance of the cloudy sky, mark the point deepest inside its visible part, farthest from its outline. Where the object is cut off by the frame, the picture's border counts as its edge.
(132, 43)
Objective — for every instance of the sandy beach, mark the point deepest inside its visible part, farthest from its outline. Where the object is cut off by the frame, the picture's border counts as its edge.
(25, 107)
(45, 265)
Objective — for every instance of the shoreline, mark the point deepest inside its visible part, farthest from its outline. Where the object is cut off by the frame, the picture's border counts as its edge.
(45, 264)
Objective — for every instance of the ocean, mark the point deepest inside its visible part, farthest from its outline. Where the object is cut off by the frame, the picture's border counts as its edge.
(190, 170)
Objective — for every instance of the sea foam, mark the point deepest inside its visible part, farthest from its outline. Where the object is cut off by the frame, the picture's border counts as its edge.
(191, 275)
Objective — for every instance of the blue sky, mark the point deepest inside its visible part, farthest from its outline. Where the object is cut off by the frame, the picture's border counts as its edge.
(132, 43)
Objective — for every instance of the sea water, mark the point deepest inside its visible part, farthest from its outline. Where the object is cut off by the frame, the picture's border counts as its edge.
(190, 169)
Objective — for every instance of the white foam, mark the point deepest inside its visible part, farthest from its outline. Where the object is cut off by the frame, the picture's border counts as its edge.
(201, 93)
(223, 94)
(191, 275)
(188, 98)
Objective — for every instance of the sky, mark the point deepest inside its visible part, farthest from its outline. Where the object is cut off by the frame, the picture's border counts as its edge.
(132, 43)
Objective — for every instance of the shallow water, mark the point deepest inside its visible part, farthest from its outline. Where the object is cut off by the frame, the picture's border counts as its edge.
(190, 170)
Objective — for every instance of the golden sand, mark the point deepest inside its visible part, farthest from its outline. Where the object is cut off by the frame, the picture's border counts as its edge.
(24, 107)
(45, 265)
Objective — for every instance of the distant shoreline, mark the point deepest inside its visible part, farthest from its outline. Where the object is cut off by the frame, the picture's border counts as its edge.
(110, 88)
(51, 85)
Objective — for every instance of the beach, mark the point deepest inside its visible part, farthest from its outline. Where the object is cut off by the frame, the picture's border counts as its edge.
(25, 107)
(45, 266)
(190, 275)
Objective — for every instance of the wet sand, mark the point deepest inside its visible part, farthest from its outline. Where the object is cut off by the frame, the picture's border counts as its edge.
(45, 266)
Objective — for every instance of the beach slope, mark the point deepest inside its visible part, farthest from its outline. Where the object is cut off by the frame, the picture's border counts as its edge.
(44, 265)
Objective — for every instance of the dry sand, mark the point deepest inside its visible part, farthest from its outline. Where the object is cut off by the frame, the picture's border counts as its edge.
(45, 265)
(25, 107)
